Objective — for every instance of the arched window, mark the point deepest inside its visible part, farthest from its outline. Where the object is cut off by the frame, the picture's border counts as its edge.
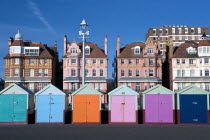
(192, 72)
(206, 72)
(101, 72)
(137, 50)
(87, 50)
(94, 72)
(73, 72)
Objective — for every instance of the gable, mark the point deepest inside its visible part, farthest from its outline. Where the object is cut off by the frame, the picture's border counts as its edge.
(123, 90)
(50, 89)
(158, 89)
(192, 90)
(15, 89)
(86, 90)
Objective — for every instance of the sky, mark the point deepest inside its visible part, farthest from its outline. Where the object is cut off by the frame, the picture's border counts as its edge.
(47, 21)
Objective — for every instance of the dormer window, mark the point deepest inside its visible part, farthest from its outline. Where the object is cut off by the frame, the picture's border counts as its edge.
(137, 50)
(150, 51)
(191, 50)
(203, 51)
(31, 51)
(87, 50)
(73, 51)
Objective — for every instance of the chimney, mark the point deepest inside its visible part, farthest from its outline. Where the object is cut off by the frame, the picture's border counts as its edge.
(10, 41)
(171, 48)
(118, 45)
(106, 44)
(55, 44)
(65, 45)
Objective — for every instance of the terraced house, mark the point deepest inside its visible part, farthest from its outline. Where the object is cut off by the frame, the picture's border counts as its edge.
(139, 65)
(95, 68)
(32, 64)
(190, 65)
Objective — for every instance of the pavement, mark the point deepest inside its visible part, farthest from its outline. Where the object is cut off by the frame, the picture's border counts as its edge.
(104, 132)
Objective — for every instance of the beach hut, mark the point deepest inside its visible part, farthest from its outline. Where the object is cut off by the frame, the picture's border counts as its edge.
(123, 106)
(16, 104)
(192, 105)
(158, 105)
(51, 105)
(86, 106)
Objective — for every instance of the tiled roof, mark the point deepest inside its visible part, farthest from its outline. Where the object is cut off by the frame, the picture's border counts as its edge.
(181, 51)
(95, 51)
(128, 51)
(45, 52)
(204, 43)
(18, 43)
(140, 79)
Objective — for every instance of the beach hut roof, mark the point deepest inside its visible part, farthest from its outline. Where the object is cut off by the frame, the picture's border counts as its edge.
(158, 89)
(123, 90)
(16, 88)
(86, 89)
(192, 89)
(50, 89)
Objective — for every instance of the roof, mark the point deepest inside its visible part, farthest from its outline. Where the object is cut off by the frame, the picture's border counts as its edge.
(17, 89)
(45, 51)
(87, 79)
(181, 51)
(95, 51)
(22, 79)
(50, 89)
(123, 90)
(128, 51)
(204, 43)
(86, 90)
(18, 43)
(192, 79)
(158, 89)
(140, 79)
(192, 89)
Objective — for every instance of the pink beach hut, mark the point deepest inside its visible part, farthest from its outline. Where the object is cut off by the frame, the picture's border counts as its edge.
(158, 106)
(123, 106)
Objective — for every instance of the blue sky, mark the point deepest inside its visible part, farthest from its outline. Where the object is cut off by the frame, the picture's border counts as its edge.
(49, 20)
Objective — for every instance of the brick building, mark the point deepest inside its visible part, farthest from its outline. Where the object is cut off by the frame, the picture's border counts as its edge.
(138, 65)
(179, 35)
(32, 64)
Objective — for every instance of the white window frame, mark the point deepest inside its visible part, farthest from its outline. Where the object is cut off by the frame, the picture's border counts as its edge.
(45, 72)
(31, 60)
(40, 73)
(73, 61)
(31, 72)
(173, 30)
(16, 72)
(16, 61)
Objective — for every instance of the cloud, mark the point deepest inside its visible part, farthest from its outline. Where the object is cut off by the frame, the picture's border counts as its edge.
(39, 15)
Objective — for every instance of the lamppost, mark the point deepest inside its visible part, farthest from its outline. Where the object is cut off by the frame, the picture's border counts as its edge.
(83, 32)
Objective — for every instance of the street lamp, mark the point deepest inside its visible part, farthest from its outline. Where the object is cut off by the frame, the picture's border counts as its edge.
(83, 32)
